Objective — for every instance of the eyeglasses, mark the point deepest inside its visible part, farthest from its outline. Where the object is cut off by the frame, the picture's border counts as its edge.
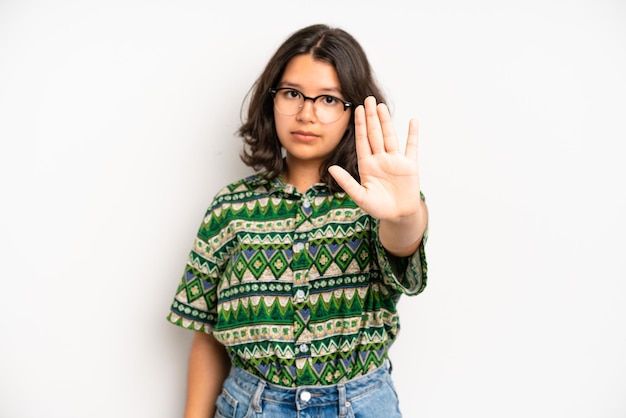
(290, 102)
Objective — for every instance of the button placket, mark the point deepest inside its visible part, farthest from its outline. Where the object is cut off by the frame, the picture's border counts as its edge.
(299, 296)
(298, 247)
(301, 265)
(307, 206)
(301, 290)
(302, 334)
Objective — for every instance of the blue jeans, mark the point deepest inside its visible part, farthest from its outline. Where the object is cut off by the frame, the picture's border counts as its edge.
(246, 396)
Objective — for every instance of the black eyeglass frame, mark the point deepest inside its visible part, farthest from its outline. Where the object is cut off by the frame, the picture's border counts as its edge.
(346, 104)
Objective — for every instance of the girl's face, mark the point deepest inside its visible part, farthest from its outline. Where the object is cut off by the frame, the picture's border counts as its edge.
(306, 139)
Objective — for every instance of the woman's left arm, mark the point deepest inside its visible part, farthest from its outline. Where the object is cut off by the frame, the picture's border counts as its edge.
(402, 237)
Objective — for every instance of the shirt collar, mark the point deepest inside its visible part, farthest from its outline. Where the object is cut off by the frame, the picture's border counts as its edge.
(278, 187)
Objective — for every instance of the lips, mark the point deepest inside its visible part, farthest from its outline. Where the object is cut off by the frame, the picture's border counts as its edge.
(304, 136)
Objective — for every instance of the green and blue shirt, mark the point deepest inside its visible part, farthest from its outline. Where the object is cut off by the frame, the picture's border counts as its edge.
(297, 286)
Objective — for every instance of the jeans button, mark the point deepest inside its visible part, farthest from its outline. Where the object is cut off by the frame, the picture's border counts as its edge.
(305, 396)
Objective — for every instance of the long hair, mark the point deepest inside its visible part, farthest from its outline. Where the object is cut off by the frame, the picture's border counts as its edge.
(262, 149)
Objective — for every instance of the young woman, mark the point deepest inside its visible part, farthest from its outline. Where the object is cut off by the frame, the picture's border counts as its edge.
(293, 279)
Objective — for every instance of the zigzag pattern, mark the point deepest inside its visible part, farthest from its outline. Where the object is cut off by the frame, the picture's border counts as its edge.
(297, 287)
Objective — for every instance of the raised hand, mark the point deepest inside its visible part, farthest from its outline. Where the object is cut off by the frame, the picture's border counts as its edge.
(390, 186)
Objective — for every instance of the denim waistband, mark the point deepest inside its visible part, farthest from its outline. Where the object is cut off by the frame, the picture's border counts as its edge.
(308, 396)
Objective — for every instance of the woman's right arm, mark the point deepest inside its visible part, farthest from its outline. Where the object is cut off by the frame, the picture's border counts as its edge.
(209, 365)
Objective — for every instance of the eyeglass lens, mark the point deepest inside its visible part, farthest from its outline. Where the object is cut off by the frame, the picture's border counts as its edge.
(290, 102)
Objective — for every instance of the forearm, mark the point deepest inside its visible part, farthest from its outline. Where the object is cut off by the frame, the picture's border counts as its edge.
(208, 367)
(402, 237)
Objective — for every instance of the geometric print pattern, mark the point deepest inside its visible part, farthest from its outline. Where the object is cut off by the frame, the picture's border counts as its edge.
(297, 286)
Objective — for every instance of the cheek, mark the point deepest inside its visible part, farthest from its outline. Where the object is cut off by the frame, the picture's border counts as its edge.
(343, 127)
(280, 124)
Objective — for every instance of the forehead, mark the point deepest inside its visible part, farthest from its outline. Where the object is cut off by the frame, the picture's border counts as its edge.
(306, 73)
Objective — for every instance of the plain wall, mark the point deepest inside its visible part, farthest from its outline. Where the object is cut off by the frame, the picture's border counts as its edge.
(117, 123)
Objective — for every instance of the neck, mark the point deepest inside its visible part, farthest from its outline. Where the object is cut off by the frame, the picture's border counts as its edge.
(301, 175)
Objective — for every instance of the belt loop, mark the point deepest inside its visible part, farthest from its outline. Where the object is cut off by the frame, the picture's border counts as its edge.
(256, 399)
(343, 401)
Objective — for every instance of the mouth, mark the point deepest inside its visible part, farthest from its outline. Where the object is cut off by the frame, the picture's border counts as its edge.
(304, 136)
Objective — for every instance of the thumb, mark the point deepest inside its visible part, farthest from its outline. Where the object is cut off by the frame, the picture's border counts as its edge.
(347, 183)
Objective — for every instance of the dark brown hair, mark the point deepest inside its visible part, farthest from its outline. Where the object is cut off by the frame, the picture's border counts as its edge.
(262, 150)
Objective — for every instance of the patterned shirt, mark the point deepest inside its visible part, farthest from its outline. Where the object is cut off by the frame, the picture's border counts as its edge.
(297, 287)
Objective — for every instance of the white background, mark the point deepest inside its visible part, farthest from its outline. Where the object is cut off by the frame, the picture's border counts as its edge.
(117, 123)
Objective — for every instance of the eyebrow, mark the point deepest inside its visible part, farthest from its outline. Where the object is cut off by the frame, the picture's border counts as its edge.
(326, 90)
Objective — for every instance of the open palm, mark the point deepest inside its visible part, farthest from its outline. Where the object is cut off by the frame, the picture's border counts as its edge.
(390, 187)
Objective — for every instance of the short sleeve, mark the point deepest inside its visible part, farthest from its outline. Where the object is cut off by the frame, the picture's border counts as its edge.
(195, 303)
(405, 274)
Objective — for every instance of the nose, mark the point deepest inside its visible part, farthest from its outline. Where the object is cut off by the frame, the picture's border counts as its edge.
(307, 110)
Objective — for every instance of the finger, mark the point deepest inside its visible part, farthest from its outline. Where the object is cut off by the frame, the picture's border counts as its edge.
(374, 129)
(411, 141)
(360, 133)
(347, 183)
(390, 140)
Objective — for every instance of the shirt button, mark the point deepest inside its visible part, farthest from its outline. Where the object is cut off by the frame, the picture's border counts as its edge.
(304, 348)
(298, 246)
(305, 396)
(300, 294)
(306, 203)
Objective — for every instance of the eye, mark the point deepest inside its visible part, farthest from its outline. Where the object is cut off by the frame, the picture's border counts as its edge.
(291, 94)
(330, 100)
